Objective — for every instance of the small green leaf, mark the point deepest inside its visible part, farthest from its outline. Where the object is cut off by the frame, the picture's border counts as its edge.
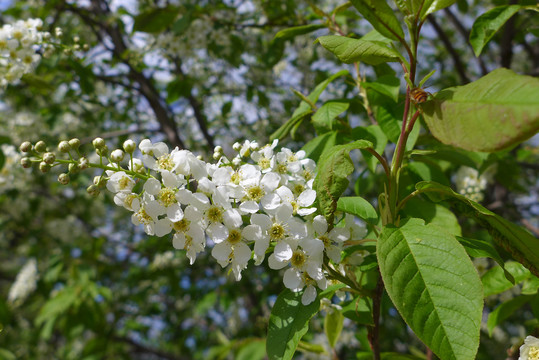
(333, 323)
(441, 301)
(331, 181)
(388, 85)
(252, 350)
(431, 6)
(359, 207)
(314, 148)
(289, 321)
(493, 113)
(427, 172)
(486, 25)
(495, 281)
(505, 310)
(292, 32)
(324, 116)
(374, 134)
(155, 20)
(381, 17)
(287, 127)
(56, 306)
(522, 246)
(359, 310)
(350, 50)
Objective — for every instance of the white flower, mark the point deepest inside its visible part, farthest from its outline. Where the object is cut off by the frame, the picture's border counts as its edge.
(300, 205)
(25, 283)
(530, 349)
(333, 240)
(189, 234)
(120, 182)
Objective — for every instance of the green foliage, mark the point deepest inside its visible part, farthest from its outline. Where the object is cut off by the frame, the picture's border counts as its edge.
(428, 292)
(352, 50)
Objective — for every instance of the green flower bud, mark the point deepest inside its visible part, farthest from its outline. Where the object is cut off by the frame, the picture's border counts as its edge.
(74, 143)
(98, 143)
(102, 151)
(117, 155)
(100, 181)
(73, 168)
(49, 158)
(129, 146)
(44, 167)
(63, 179)
(93, 190)
(25, 146)
(26, 162)
(40, 146)
(64, 146)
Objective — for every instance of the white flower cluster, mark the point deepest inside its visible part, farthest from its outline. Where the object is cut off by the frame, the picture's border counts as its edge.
(18, 45)
(530, 349)
(24, 284)
(260, 201)
(470, 184)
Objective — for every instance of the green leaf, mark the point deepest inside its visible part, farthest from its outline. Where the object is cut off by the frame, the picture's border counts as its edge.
(522, 246)
(505, 310)
(374, 134)
(359, 207)
(431, 6)
(324, 116)
(331, 181)
(433, 213)
(304, 108)
(333, 323)
(388, 85)
(155, 20)
(359, 310)
(495, 281)
(441, 301)
(486, 25)
(493, 113)
(389, 123)
(252, 350)
(292, 32)
(427, 172)
(314, 148)
(350, 50)
(381, 17)
(58, 305)
(7, 355)
(289, 321)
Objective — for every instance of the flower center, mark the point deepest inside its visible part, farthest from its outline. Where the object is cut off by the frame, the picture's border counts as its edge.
(533, 353)
(264, 163)
(143, 216)
(277, 232)
(167, 197)
(215, 214)
(255, 193)
(281, 169)
(325, 240)
(298, 189)
(124, 182)
(182, 225)
(235, 178)
(234, 237)
(298, 259)
(164, 162)
(307, 175)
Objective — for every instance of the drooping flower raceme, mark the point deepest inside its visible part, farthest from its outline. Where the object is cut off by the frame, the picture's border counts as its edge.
(25, 283)
(259, 203)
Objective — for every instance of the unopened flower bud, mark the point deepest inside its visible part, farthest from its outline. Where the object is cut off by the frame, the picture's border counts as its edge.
(85, 47)
(236, 146)
(76, 39)
(98, 143)
(74, 143)
(83, 163)
(102, 151)
(117, 155)
(218, 149)
(100, 181)
(26, 162)
(64, 146)
(236, 161)
(76, 47)
(199, 157)
(49, 158)
(63, 179)
(40, 146)
(44, 167)
(73, 168)
(25, 146)
(216, 156)
(93, 190)
(129, 146)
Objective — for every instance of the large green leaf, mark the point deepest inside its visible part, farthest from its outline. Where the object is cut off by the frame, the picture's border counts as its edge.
(381, 17)
(495, 280)
(493, 113)
(359, 207)
(486, 25)
(324, 117)
(434, 285)
(289, 321)
(518, 242)
(331, 181)
(350, 50)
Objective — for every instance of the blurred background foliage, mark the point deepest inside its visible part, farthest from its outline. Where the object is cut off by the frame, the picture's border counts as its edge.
(197, 74)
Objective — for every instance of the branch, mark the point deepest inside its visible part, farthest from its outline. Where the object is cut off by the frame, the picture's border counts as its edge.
(459, 66)
(506, 42)
(465, 34)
